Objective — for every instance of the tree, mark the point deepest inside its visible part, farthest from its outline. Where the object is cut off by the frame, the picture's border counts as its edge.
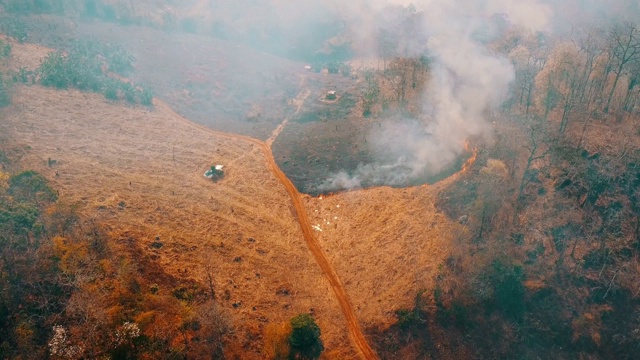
(305, 338)
(625, 48)
(370, 93)
(536, 151)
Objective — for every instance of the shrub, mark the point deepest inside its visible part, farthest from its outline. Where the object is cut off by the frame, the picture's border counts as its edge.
(23, 75)
(333, 67)
(111, 89)
(54, 71)
(83, 68)
(129, 92)
(14, 28)
(118, 59)
(305, 338)
(5, 92)
(5, 49)
(145, 95)
(32, 187)
(508, 287)
(317, 67)
(345, 69)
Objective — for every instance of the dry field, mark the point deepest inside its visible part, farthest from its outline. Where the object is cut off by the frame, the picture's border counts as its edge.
(385, 243)
(138, 171)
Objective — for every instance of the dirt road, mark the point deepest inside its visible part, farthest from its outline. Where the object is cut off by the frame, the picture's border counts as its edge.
(312, 242)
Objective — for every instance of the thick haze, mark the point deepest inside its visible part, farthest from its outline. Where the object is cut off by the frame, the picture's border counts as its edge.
(467, 80)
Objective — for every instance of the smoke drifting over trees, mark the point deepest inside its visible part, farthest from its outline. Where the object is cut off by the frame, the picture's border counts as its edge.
(467, 80)
(469, 76)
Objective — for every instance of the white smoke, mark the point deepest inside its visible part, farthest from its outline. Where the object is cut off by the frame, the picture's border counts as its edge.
(466, 81)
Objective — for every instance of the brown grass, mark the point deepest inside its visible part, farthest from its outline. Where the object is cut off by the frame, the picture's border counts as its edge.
(386, 244)
(139, 172)
(108, 156)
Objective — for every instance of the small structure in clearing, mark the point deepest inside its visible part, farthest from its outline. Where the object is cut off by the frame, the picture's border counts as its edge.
(331, 95)
(215, 173)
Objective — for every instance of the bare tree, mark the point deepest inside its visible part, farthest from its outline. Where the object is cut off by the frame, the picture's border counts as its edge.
(537, 149)
(625, 48)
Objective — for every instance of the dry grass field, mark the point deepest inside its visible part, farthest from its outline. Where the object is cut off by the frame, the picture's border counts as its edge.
(139, 172)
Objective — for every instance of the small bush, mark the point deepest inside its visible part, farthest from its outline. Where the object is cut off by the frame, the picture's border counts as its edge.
(111, 89)
(146, 96)
(345, 69)
(23, 76)
(119, 60)
(509, 291)
(55, 71)
(5, 92)
(129, 92)
(5, 49)
(29, 186)
(333, 67)
(305, 338)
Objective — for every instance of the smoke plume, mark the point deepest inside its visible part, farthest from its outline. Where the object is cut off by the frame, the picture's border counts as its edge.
(466, 81)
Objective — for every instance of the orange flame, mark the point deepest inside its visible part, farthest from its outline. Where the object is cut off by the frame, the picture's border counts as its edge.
(467, 165)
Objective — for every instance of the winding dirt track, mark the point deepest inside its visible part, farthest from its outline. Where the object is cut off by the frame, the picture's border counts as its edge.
(345, 304)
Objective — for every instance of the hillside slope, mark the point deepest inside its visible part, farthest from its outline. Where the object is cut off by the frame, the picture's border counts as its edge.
(139, 172)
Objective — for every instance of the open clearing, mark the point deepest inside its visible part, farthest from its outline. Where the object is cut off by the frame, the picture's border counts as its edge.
(139, 172)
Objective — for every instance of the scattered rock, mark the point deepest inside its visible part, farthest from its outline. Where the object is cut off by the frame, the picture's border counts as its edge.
(237, 259)
(156, 244)
(251, 240)
(237, 304)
